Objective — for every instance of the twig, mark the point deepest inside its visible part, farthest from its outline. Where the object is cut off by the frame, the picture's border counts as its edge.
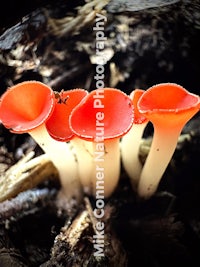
(26, 174)
(25, 203)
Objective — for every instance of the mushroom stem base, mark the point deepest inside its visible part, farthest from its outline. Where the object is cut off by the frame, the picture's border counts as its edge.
(84, 153)
(130, 145)
(63, 158)
(161, 151)
(106, 170)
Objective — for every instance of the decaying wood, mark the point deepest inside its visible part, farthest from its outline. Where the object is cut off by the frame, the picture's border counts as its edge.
(26, 174)
(147, 42)
(29, 203)
(9, 255)
(75, 241)
(72, 25)
(26, 203)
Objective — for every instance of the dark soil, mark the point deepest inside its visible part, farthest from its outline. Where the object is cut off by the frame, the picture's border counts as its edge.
(161, 45)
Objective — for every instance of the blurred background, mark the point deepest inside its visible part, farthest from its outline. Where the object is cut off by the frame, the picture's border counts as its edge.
(148, 42)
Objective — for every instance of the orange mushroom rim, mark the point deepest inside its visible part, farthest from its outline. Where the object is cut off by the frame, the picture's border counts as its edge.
(58, 123)
(27, 105)
(108, 110)
(167, 98)
(135, 95)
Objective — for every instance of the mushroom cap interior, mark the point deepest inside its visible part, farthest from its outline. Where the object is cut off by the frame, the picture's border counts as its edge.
(168, 104)
(167, 97)
(26, 105)
(58, 124)
(105, 111)
(135, 95)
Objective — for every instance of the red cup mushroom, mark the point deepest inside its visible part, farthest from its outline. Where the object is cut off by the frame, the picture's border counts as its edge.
(101, 119)
(24, 108)
(58, 124)
(169, 107)
(130, 143)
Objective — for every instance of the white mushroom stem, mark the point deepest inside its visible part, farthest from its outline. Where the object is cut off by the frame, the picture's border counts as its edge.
(107, 167)
(64, 160)
(161, 151)
(98, 164)
(130, 145)
(84, 154)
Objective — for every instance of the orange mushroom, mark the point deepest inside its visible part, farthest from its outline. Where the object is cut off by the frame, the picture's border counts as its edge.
(24, 108)
(58, 123)
(169, 107)
(130, 142)
(101, 119)
(58, 126)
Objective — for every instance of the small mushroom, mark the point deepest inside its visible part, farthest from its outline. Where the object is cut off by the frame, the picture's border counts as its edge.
(58, 125)
(24, 108)
(130, 142)
(101, 119)
(169, 107)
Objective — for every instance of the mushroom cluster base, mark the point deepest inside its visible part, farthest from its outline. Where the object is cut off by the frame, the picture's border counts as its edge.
(54, 42)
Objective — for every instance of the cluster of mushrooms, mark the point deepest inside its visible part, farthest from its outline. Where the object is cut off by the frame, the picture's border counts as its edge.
(84, 133)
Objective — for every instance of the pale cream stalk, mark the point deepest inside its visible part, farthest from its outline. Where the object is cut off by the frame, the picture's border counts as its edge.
(130, 145)
(161, 151)
(106, 168)
(84, 155)
(98, 164)
(64, 160)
